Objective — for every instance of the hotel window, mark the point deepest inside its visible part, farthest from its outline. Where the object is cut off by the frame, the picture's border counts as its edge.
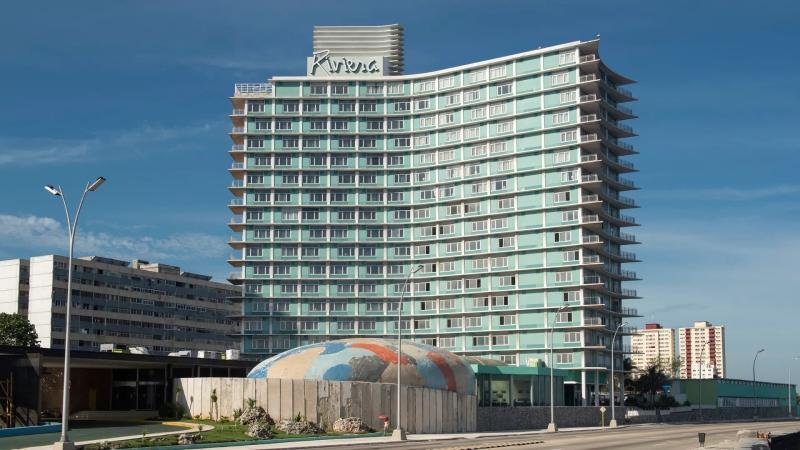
(345, 288)
(375, 160)
(498, 147)
(283, 124)
(289, 251)
(446, 266)
(425, 86)
(401, 178)
(563, 358)
(559, 78)
(345, 325)
(427, 194)
(473, 169)
(374, 197)
(472, 207)
(425, 122)
(319, 89)
(480, 264)
(367, 106)
(569, 175)
(367, 178)
(474, 322)
(505, 165)
(506, 242)
(311, 251)
(402, 251)
(374, 88)
(453, 323)
(311, 107)
(561, 157)
(338, 196)
(423, 324)
(260, 307)
(500, 261)
(348, 252)
(478, 188)
(255, 215)
(282, 233)
(422, 140)
(367, 142)
(503, 89)
(572, 337)
(447, 82)
(446, 118)
(396, 160)
(562, 236)
(505, 203)
(347, 178)
(452, 99)
(423, 104)
(453, 136)
(570, 216)
(253, 325)
(402, 142)
(444, 342)
(309, 142)
(316, 307)
(499, 223)
(422, 250)
(255, 179)
(289, 142)
(318, 233)
(347, 106)
(478, 113)
(339, 88)
(401, 214)
(402, 106)
(569, 136)
(566, 57)
(261, 233)
(263, 124)
(281, 269)
(500, 340)
(336, 125)
(447, 229)
(505, 127)
(291, 106)
(569, 97)
(261, 161)
(255, 143)
(560, 197)
(366, 324)
(500, 185)
(497, 71)
(375, 125)
(453, 285)
(395, 88)
(374, 269)
(479, 225)
(255, 107)
(338, 161)
(290, 179)
(395, 124)
(507, 281)
(572, 296)
(570, 256)
(347, 142)
(473, 283)
(560, 117)
(497, 109)
(472, 95)
(447, 155)
(453, 172)
(563, 277)
(476, 76)
(426, 158)
(366, 251)
(473, 245)
(289, 214)
(446, 191)
(453, 247)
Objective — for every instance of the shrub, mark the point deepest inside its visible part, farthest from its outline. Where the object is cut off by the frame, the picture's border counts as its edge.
(236, 414)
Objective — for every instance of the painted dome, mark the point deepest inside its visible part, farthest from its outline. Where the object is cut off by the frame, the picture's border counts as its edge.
(371, 360)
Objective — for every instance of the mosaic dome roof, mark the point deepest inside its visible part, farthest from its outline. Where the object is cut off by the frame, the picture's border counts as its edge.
(371, 360)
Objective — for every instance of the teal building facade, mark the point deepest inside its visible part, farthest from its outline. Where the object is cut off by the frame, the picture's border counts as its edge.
(504, 179)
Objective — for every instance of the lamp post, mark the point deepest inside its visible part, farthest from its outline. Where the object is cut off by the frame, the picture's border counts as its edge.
(755, 402)
(700, 381)
(613, 423)
(64, 443)
(398, 434)
(552, 427)
(790, 398)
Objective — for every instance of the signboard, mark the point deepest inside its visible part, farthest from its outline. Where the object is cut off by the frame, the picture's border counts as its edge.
(322, 64)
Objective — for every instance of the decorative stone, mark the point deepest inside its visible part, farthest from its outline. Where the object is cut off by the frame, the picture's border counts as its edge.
(260, 430)
(301, 427)
(188, 438)
(350, 425)
(255, 414)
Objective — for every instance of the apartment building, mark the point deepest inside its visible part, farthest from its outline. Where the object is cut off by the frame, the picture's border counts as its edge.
(653, 345)
(702, 349)
(503, 179)
(129, 304)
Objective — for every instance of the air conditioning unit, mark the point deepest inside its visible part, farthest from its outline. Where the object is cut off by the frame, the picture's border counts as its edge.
(232, 354)
(139, 350)
(181, 354)
(207, 354)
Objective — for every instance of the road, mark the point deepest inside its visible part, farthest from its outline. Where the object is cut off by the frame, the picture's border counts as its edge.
(638, 437)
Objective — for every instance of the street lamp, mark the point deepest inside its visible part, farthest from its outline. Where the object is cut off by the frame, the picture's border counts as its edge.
(551, 427)
(791, 398)
(613, 423)
(755, 402)
(398, 434)
(64, 443)
(700, 381)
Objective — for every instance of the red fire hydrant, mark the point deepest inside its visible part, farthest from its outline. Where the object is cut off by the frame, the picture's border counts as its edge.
(385, 420)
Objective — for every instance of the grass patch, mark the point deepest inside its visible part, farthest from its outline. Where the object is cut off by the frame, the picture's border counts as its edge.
(223, 432)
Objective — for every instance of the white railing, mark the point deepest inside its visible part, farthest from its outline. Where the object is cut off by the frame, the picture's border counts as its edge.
(590, 178)
(591, 259)
(591, 239)
(591, 279)
(237, 112)
(590, 198)
(237, 130)
(586, 218)
(587, 58)
(586, 78)
(237, 147)
(237, 165)
(589, 137)
(589, 118)
(252, 88)
(588, 98)
(593, 321)
(589, 158)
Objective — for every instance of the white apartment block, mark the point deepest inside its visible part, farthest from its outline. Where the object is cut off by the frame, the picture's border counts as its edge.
(653, 344)
(702, 349)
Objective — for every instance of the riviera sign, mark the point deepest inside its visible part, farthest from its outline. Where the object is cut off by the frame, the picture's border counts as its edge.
(322, 64)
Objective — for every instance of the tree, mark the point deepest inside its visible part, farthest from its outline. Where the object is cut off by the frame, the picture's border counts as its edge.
(651, 380)
(18, 331)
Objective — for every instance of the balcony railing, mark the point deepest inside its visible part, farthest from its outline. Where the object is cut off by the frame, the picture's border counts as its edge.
(592, 279)
(621, 90)
(589, 117)
(627, 236)
(628, 292)
(235, 276)
(628, 330)
(591, 239)
(628, 255)
(589, 178)
(237, 183)
(589, 158)
(237, 112)
(587, 78)
(592, 321)
(628, 273)
(237, 165)
(621, 144)
(630, 311)
(588, 98)
(252, 88)
(237, 148)
(592, 300)
(587, 58)
(625, 182)
(590, 198)
(591, 259)
(620, 108)
(237, 130)
(587, 218)
(589, 137)
(236, 202)
(237, 220)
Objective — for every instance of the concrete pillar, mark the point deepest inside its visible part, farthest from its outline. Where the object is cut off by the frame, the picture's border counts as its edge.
(597, 388)
(584, 389)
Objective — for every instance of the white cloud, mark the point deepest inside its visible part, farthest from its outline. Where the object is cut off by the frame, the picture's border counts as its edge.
(120, 144)
(46, 235)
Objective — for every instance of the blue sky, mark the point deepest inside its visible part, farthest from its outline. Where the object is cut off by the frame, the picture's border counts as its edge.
(137, 92)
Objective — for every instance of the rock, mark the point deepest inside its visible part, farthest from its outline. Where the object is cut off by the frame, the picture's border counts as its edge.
(188, 438)
(260, 430)
(301, 427)
(255, 414)
(351, 425)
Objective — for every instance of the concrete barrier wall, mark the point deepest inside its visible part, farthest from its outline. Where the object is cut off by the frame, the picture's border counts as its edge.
(537, 417)
(424, 410)
(693, 414)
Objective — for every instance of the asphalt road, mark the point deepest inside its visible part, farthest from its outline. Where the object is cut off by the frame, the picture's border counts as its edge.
(638, 437)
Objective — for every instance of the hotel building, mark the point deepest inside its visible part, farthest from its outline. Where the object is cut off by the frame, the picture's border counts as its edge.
(653, 345)
(702, 349)
(504, 179)
(136, 304)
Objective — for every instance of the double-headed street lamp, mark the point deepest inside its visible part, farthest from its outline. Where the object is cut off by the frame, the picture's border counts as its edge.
(700, 381)
(72, 224)
(613, 423)
(552, 427)
(755, 401)
(398, 434)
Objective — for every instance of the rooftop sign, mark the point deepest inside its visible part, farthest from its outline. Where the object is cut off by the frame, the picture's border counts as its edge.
(322, 64)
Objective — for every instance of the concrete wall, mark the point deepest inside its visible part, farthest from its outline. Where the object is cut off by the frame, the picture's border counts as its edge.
(693, 414)
(537, 417)
(424, 410)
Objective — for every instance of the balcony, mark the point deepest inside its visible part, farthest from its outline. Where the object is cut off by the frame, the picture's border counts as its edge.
(588, 98)
(590, 178)
(237, 148)
(628, 330)
(590, 158)
(588, 78)
(237, 165)
(593, 321)
(237, 183)
(592, 259)
(591, 198)
(252, 89)
(587, 58)
(629, 274)
(591, 239)
(589, 137)
(592, 279)
(628, 292)
(590, 218)
(630, 312)
(237, 112)
(236, 202)
(592, 300)
(589, 118)
(237, 130)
